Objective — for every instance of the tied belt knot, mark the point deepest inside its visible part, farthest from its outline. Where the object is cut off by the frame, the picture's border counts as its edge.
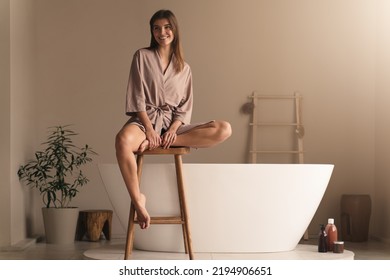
(158, 115)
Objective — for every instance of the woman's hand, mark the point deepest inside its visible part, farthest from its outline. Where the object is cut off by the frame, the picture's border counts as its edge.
(153, 138)
(168, 138)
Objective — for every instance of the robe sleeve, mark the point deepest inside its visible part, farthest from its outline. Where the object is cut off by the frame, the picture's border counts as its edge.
(184, 110)
(135, 95)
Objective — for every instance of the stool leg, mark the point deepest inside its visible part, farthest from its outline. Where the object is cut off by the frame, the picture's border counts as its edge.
(130, 227)
(94, 226)
(130, 233)
(183, 207)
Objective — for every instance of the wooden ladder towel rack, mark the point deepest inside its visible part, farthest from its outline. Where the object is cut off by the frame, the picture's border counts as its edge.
(297, 123)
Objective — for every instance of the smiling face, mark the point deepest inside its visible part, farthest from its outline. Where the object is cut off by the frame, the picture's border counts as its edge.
(162, 32)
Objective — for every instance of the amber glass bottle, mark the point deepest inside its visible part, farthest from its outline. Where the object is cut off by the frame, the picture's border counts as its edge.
(331, 233)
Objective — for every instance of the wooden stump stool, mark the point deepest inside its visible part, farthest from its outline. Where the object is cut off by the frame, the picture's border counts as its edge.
(93, 223)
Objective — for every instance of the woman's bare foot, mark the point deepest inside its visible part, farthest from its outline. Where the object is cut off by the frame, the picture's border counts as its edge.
(142, 214)
(144, 145)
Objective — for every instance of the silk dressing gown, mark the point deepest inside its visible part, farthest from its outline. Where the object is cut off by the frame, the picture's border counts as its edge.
(164, 96)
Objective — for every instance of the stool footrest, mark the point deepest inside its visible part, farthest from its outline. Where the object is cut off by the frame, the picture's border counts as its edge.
(165, 220)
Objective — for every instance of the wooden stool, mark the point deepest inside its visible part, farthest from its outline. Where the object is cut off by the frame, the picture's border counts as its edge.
(93, 223)
(182, 219)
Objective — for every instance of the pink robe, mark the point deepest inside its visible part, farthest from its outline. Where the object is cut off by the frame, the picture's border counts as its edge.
(165, 97)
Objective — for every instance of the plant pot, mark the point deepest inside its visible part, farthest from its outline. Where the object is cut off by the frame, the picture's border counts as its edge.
(60, 224)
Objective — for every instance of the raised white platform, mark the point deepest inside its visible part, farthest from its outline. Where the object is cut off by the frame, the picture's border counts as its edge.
(301, 252)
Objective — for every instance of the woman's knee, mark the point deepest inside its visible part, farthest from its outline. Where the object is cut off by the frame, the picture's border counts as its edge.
(224, 130)
(125, 140)
(121, 140)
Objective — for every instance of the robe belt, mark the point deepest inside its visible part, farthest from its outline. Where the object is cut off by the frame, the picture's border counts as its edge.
(158, 116)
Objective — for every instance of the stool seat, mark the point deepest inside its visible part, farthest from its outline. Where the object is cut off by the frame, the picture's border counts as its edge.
(170, 151)
(93, 223)
(183, 219)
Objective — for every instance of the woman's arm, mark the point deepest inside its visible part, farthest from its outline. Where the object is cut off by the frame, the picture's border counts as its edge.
(151, 135)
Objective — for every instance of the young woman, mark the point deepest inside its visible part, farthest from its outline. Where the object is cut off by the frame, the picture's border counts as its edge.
(159, 102)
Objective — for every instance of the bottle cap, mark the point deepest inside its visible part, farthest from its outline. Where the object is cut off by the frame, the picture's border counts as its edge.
(330, 221)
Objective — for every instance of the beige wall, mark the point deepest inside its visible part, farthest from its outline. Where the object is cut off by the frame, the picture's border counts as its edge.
(332, 52)
(23, 112)
(17, 117)
(381, 225)
(5, 217)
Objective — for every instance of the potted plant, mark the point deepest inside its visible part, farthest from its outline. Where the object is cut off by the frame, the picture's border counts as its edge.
(55, 172)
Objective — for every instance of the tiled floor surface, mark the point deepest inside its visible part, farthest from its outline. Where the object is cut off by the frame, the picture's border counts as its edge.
(371, 250)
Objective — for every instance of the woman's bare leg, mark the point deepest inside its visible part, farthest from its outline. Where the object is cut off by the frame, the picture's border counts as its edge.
(204, 136)
(128, 141)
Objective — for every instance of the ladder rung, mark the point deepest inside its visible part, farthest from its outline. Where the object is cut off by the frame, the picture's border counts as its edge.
(275, 96)
(165, 220)
(276, 152)
(274, 124)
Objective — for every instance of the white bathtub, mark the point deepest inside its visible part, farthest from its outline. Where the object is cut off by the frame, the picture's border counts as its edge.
(232, 207)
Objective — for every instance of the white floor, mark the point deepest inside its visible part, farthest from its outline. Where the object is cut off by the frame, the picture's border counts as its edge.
(370, 250)
(302, 252)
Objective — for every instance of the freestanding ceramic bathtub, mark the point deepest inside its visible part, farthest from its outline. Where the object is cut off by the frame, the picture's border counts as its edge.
(232, 207)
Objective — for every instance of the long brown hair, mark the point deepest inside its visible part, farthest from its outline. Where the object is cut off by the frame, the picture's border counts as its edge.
(176, 44)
